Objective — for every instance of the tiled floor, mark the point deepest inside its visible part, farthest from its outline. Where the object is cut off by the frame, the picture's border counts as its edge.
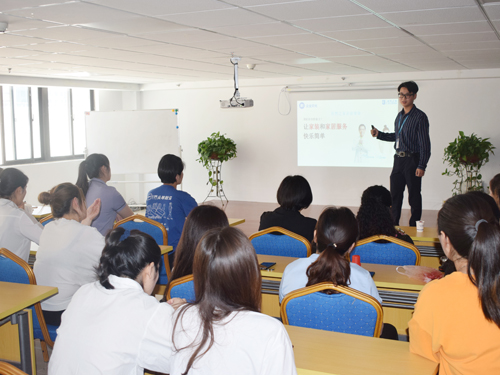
(41, 366)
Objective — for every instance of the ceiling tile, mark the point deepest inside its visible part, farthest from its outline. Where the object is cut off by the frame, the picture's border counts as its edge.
(8, 40)
(251, 31)
(363, 34)
(387, 42)
(67, 33)
(468, 46)
(406, 5)
(309, 9)
(284, 40)
(16, 52)
(456, 38)
(6, 5)
(136, 25)
(449, 28)
(17, 24)
(341, 23)
(429, 17)
(162, 7)
(185, 36)
(217, 18)
(72, 13)
(493, 11)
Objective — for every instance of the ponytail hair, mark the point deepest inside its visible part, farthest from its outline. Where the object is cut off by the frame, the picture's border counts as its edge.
(470, 224)
(125, 254)
(90, 167)
(10, 180)
(60, 197)
(336, 231)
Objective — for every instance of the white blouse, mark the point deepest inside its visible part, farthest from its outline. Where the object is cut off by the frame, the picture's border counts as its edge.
(17, 229)
(116, 331)
(246, 343)
(68, 254)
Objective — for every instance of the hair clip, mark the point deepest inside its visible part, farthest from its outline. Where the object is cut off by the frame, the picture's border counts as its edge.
(125, 235)
(332, 244)
(479, 222)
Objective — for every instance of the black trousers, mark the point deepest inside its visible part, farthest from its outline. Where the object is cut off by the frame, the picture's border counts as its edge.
(403, 174)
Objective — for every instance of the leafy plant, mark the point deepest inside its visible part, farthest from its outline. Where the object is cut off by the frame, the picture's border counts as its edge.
(466, 155)
(213, 151)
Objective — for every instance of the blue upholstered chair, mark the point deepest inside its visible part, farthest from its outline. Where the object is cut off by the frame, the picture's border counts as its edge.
(182, 288)
(286, 244)
(47, 219)
(15, 270)
(395, 252)
(348, 311)
(155, 230)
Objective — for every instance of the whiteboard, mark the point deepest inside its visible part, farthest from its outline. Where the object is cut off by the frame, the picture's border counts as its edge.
(133, 141)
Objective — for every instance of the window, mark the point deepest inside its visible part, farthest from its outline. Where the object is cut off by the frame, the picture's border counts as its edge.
(43, 124)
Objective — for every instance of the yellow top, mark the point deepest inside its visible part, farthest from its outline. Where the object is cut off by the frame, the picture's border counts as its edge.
(449, 327)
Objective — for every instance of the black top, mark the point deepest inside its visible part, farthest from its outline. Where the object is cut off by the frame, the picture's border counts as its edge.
(291, 220)
(412, 129)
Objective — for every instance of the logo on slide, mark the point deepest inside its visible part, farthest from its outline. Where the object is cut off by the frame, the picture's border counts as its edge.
(383, 101)
(301, 105)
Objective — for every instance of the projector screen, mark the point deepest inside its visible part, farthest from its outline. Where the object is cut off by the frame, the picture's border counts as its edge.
(336, 133)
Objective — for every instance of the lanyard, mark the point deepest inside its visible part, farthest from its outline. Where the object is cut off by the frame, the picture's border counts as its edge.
(401, 125)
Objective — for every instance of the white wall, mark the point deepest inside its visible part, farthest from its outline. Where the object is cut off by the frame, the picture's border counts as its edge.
(266, 140)
(267, 146)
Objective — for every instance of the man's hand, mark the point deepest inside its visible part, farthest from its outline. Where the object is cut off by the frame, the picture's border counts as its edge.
(374, 132)
(419, 172)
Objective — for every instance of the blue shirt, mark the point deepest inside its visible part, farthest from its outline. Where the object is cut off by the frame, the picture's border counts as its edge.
(170, 206)
(111, 203)
(295, 277)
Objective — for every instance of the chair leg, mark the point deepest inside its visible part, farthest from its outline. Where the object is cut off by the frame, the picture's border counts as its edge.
(45, 351)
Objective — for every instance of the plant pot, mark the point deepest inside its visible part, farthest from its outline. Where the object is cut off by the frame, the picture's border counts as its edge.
(214, 156)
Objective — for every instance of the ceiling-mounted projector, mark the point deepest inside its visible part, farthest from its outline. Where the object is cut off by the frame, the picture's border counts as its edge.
(236, 101)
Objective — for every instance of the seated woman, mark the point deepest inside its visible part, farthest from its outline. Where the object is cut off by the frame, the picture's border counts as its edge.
(374, 215)
(336, 235)
(69, 248)
(457, 318)
(495, 189)
(198, 222)
(114, 325)
(17, 226)
(294, 194)
(113, 206)
(222, 332)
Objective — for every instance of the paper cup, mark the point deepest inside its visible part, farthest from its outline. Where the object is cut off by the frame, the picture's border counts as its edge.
(356, 259)
(420, 226)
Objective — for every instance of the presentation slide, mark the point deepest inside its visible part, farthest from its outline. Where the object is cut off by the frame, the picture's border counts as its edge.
(336, 133)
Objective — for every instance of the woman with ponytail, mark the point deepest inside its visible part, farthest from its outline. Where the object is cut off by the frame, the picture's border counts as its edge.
(374, 216)
(114, 326)
(335, 235)
(457, 318)
(113, 207)
(222, 331)
(17, 226)
(69, 247)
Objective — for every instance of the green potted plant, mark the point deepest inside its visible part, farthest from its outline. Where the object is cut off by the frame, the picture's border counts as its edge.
(213, 151)
(465, 156)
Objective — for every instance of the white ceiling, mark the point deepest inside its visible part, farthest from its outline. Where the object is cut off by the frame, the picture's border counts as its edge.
(153, 41)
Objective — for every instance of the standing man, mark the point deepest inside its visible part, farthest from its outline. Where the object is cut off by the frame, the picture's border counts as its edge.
(413, 150)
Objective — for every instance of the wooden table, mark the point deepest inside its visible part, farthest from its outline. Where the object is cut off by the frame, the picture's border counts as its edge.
(399, 293)
(234, 222)
(427, 242)
(322, 352)
(13, 299)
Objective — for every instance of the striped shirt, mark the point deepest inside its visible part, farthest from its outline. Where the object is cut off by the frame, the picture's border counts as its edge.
(413, 131)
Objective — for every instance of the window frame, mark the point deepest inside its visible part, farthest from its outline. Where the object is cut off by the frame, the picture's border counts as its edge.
(43, 111)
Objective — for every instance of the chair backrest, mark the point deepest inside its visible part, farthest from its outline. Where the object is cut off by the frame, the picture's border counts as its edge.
(47, 219)
(182, 288)
(348, 311)
(15, 270)
(155, 230)
(146, 225)
(287, 244)
(395, 252)
(8, 369)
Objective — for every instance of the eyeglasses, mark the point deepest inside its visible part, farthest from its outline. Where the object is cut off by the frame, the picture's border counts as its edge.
(401, 96)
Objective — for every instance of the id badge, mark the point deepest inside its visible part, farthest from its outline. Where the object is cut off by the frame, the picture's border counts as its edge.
(397, 144)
